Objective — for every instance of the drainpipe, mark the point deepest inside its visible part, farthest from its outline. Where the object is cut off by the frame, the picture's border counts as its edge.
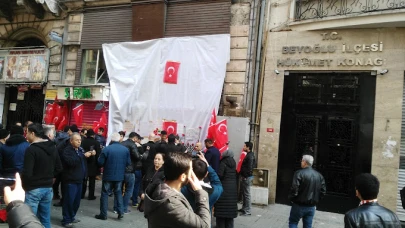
(253, 119)
(250, 53)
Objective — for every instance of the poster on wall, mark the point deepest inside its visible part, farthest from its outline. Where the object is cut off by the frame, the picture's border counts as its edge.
(28, 65)
(11, 68)
(24, 68)
(38, 68)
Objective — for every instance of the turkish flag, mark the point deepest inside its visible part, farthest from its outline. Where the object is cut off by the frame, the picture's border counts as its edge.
(49, 113)
(211, 128)
(78, 114)
(221, 134)
(101, 123)
(171, 72)
(58, 115)
(63, 117)
(241, 158)
(170, 127)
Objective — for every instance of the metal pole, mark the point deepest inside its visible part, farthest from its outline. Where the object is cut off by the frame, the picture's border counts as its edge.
(257, 71)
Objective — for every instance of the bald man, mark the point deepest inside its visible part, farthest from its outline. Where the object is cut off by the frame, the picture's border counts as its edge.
(198, 147)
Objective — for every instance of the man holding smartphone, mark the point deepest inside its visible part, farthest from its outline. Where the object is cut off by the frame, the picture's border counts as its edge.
(166, 206)
(91, 144)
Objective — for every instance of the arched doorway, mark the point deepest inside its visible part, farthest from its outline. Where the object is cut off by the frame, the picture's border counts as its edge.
(27, 98)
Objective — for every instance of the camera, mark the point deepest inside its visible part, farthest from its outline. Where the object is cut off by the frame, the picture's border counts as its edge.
(277, 72)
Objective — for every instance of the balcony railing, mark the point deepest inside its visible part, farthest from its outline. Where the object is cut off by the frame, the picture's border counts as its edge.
(312, 9)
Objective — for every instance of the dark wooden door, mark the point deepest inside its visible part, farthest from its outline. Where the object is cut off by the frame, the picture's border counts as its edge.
(323, 114)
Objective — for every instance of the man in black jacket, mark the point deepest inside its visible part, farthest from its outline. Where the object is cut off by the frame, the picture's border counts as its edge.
(91, 144)
(61, 145)
(162, 143)
(150, 149)
(74, 171)
(41, 165)
(246, 173)
(307, 188)
(370, 213)
(129, 177)
(137, 170)
(171, 144)
(212, 154)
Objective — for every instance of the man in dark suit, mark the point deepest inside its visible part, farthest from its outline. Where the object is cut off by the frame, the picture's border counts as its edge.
(212, 154)
(91, 144)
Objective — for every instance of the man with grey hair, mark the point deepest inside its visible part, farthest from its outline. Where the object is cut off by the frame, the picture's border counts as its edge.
(308, 187)
(74, 170)
(114, 158)
(49, 132)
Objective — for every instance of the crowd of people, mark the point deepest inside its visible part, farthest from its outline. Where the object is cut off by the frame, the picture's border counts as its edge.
(173, 186)
(161, 177)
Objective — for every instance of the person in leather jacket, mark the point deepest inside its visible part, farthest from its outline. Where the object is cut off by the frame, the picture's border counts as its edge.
(307, 188)
(369, 213)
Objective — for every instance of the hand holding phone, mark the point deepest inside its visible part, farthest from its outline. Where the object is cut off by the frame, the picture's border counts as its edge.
(17, 193)
(194, 182)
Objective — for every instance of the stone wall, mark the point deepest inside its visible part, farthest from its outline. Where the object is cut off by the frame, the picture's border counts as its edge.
(72, 45)
(235, 80)
(26, 25)
(388, 99)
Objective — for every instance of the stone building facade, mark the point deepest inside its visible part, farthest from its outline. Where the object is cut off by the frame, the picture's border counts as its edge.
(333, 87)
(65, 19)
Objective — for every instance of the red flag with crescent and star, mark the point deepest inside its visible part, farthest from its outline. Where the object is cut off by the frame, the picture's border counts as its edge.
(221, 134)
(78, 114)
(171, 72)
(101, 123)
(63, 117)
(241, 158)
(170, 127)
(211, 128)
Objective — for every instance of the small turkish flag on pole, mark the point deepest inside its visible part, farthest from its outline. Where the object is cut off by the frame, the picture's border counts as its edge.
(170, 127)
(241, 158)
(221, 134)
(211, 128)
(171, 72)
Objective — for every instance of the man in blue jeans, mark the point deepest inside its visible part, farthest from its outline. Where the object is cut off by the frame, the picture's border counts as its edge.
(129, 181)
(307, 188)
(41, 165)
(114, 158)
(246, 174)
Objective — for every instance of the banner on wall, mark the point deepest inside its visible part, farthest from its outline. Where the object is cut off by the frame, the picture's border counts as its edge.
(178, 79)
(24, 65)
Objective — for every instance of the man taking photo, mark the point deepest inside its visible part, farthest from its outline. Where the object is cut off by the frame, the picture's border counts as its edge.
(165, 206)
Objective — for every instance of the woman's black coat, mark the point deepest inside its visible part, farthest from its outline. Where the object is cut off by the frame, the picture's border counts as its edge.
(226, 206)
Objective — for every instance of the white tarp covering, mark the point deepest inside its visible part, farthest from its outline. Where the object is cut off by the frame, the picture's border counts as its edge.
(141, 101)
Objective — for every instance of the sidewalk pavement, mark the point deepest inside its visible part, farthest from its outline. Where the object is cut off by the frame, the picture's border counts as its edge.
(272, 216)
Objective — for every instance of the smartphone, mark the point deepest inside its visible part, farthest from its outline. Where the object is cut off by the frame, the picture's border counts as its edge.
(4, 181)
(91, 148)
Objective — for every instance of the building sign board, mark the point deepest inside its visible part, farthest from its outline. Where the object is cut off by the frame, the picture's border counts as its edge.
(24, 65)
(324, 61)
